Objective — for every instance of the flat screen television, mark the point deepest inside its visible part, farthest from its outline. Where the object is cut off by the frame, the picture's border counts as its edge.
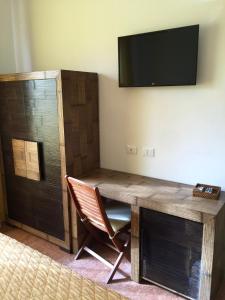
(159, 58)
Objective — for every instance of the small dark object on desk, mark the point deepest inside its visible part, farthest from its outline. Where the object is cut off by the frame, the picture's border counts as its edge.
(209, 190)
(201, 188)
(206, 191)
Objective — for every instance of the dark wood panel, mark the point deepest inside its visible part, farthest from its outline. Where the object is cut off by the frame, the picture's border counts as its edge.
(81, 121)
(50, 224)
(29, 112)
(171, 251)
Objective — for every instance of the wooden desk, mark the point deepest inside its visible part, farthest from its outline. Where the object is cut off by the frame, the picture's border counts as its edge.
(173, 199)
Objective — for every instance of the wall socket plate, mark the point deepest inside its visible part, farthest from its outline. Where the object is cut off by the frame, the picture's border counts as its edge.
(131, 149)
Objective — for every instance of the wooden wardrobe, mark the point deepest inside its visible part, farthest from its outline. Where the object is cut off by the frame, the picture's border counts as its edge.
(58, 112)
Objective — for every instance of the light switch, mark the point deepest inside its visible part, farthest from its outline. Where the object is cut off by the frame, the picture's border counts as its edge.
(148, 152)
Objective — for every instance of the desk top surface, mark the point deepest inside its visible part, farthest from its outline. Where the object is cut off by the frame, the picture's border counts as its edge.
(160, 195)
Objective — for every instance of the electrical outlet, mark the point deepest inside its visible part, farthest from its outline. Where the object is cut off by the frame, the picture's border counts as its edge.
(131, 149)
(149, 152)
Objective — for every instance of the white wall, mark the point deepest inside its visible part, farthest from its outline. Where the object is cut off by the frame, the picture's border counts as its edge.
(7, 65)
(14, 38)
(21, 38)
(14, 50)
(186, 125)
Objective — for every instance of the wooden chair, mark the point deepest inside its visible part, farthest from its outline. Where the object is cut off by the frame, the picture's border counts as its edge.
(111, 219)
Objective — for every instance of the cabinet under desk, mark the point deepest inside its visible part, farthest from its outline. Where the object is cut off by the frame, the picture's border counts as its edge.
(176, 200)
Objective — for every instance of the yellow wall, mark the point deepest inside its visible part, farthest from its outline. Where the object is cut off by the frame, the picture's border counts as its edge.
(7, 59)
(7, 64)
(186, 125)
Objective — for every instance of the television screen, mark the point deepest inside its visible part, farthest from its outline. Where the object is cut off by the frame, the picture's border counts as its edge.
(166, 57)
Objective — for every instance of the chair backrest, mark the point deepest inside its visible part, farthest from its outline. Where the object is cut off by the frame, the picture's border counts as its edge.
(89, 204)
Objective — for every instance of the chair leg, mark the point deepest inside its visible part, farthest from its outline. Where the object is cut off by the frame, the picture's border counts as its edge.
(85, 243)
(122, 249)
(118, 261)
(115, 267)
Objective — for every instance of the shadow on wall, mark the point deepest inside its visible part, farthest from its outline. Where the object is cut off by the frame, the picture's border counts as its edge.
(207, 53)
(124, 114)
(113, 122)
(112, 95)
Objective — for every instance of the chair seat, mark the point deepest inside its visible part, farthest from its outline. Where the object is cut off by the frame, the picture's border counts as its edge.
(119, 214)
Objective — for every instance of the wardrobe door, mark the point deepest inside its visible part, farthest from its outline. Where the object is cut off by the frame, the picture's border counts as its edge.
(29, 113)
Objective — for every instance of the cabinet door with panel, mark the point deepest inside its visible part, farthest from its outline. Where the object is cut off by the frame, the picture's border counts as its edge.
(47, 119)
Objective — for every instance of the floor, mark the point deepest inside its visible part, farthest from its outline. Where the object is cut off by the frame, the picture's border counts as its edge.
(91, 268)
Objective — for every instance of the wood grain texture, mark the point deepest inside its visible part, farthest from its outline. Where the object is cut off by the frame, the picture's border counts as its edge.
(173, 199)
(135, 249)
(207, 260)
(218, 268)
(171, 251)
(58, 109)
(30, 75)
(65, 200)
(29, 112)
(19, 158)
(81, 121)
(161, 195)
(32, 160)
(38, 233)
(81, 132)
(26, 159)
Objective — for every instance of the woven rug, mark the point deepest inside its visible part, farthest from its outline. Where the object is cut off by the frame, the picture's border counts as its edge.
(26, 274)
